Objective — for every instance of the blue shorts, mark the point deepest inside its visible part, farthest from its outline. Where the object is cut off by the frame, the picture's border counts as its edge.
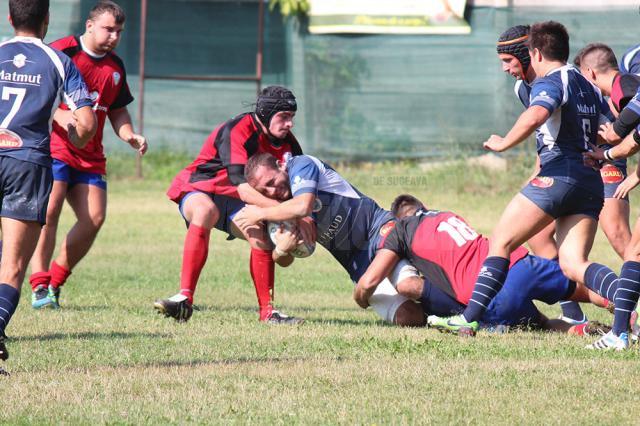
(227, 206)
(531, 278)
(612, 177)
(559, 199)
(65, 173)
(24, 190)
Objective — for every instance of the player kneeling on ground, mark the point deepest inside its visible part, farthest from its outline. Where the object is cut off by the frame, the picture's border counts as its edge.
(349, 224)
(449, 254)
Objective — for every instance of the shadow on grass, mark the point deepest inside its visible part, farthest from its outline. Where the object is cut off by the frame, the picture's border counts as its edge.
(87, 335)
(230, 361)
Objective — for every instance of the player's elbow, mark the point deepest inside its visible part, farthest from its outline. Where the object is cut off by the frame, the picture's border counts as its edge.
(86, 126)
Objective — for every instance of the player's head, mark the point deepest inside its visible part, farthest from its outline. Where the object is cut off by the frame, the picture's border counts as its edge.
(31, 16)
(548, 41)
(595, 60)
(104, 26)
(275, 108)
(406, 205)
(513, 51)
(269, 177)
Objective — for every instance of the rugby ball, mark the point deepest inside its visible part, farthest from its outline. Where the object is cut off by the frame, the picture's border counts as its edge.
(304, 249)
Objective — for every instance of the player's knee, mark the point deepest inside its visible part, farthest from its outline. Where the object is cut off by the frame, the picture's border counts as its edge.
(257, 238)
(97, 219)
(571, 267)
(409, 314)
(205, 216)
(411, 287)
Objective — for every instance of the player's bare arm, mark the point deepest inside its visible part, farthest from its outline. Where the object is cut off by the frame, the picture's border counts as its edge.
(121, 123)
(297, 207)
(381, 266)
(528, 121)
(84, 126)
(250, 195)
(624, 149)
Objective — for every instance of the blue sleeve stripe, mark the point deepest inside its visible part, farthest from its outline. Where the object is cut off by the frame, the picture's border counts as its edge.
(305, 190)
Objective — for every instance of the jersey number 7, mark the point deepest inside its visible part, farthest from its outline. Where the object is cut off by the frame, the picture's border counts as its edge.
(6, 95)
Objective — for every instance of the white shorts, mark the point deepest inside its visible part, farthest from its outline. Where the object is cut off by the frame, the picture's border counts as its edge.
(386, 300)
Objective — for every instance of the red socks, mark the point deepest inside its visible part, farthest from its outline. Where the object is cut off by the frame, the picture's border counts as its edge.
(39, 278)
(262, 270)
(56, 276)
(194, 256)
(59, 275)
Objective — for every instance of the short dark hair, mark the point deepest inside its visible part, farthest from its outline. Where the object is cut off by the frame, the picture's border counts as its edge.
(551, 39)
(108, 6)
(259, 160)
(28, 14)
(403, 201)
(599, 56)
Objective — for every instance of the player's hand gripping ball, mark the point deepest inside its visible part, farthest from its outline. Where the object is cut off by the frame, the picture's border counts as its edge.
(303, 249)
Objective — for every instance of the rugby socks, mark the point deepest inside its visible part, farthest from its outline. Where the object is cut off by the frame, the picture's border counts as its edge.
(571, 310)
(626, 297)
(194, 256)
(435, 301)
(490, 280)
(602, 280)
(59, 274)
(9, 297)
(262, 269)
(39, 278)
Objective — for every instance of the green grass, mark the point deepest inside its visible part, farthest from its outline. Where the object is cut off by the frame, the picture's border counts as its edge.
(107, 358)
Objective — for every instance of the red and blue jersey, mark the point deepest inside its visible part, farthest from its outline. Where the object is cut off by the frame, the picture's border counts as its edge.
(219, 168)
(576, 109)
(445, 249)
(106, 80)
(34, 80)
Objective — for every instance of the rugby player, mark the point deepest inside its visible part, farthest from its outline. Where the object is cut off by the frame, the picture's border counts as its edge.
(33, 80)
(513, 52)
(350, 225)
(449, 254)
(212, 189)
(565, 111)
(78, 174)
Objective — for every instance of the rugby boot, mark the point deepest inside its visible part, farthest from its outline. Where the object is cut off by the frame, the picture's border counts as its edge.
(611, 342)
(54, 295)
(177, 307)
(278, 317)
(40, 298)
(4, 354)
(455, 324)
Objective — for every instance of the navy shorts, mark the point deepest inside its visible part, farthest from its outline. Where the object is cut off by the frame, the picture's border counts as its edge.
(531, 278)
(65, 173)
(558, 198)
(228, 207)
(24, 190)
(612, 177)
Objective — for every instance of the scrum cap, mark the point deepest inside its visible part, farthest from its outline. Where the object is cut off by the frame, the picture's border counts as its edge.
(515, 41)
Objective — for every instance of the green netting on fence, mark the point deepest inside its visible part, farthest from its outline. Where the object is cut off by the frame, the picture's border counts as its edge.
(361, 97)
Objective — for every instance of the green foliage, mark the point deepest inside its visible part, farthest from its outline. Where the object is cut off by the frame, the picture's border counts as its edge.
(290, 7)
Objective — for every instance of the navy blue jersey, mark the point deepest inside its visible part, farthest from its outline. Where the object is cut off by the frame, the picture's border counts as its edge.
(347, 221)
(34, 79)
(576, 109)
(523, 92)
(630, 61)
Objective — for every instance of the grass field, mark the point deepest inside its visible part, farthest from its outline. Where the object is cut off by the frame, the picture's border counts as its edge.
(106, 357)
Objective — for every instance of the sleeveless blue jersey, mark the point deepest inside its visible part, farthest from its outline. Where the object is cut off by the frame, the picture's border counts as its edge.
(630, 61)
(346, 219)
(34, 79)
(576, 109)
